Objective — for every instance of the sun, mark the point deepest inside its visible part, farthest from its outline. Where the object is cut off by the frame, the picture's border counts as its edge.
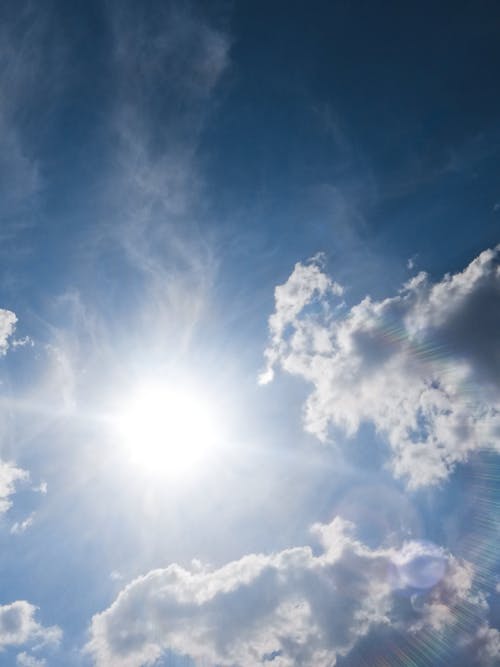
(166, 429)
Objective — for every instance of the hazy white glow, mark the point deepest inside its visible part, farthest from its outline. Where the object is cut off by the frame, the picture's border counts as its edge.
(167, 429)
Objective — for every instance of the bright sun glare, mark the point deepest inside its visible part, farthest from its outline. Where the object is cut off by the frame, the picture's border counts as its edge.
(166, 429)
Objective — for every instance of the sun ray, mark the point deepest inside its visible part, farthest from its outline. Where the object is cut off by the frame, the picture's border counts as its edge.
(166, 429)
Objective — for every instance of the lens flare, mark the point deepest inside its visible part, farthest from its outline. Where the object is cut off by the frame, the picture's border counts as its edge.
(166, 429)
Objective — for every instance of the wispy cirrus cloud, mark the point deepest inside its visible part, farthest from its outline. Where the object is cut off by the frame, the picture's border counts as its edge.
(31, 68)
(20, 527)
(18, 169)
(423, 366)
(167, 64)
(151, 231)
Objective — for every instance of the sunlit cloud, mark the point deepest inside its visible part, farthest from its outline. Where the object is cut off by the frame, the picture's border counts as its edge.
(292, 607)
(8, 321)
(163, 167)
(10, 475)
(422, 366)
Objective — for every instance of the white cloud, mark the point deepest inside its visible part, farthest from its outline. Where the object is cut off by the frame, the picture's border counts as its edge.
(9, 476)
(18, 626)
(20, 527)
(8, 321)
(22, 342)
(306, 286)
(422, 366)
(175, 51)
(9, 473)
(291, 608)
(155, 192)
(487, 642)
(411, 263)
(25, 660)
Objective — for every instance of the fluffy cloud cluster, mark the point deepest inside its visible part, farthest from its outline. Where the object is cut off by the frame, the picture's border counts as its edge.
(26, 660)
(486, 645)
(9, 475)
(290, 608)
(423, 366)
(8, 321)
(18, 626)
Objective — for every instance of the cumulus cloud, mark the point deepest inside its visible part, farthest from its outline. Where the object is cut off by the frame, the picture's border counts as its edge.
(8, 321)
(25, 660)
(422, 366)
(9, 476)
(289, 608)
(307, 286)
(486, 645)
(18, 626)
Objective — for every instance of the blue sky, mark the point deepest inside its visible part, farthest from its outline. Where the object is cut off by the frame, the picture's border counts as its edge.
(250, 303)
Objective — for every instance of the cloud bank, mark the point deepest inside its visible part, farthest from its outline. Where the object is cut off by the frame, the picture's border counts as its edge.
(423, 366)
(290, 608)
